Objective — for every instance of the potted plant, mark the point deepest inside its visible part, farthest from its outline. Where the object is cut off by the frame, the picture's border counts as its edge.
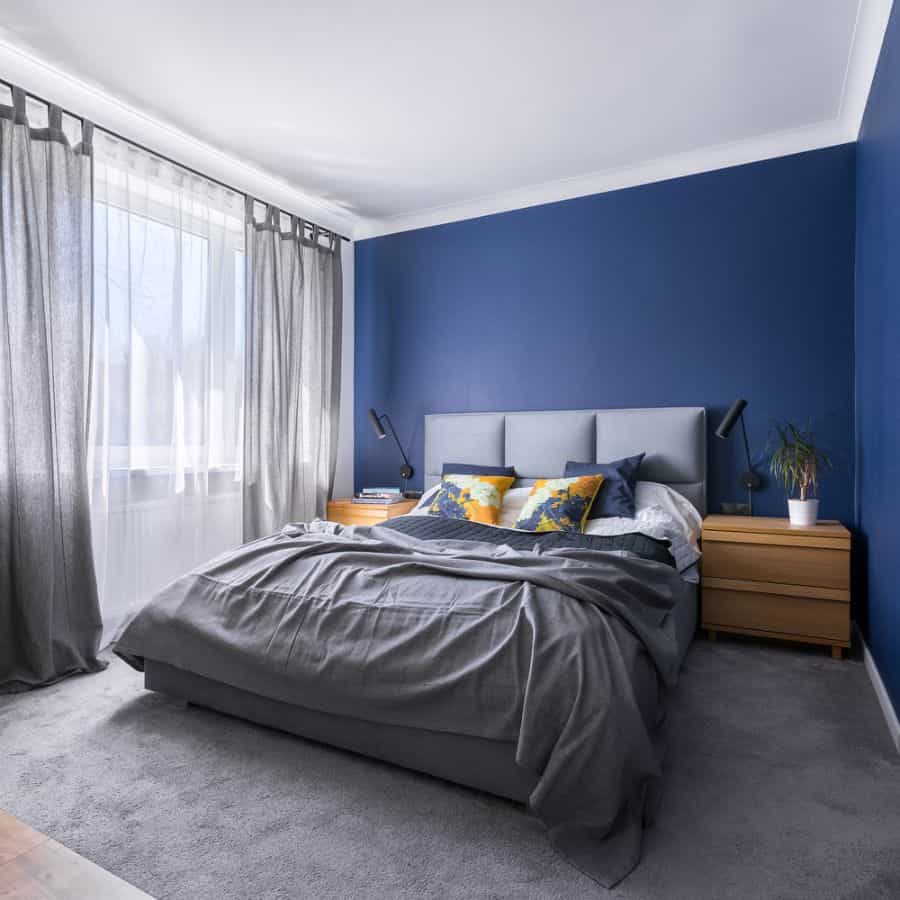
(796, 463)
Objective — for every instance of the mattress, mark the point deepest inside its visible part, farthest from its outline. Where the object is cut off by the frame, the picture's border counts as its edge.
(485, 765)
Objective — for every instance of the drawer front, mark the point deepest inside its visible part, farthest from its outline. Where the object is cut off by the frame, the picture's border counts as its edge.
(812, 566)
(356, 516)
(360, 514)
(801, 616)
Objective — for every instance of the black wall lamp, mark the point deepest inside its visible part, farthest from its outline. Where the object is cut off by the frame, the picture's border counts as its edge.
(406, 470)
(749, 480)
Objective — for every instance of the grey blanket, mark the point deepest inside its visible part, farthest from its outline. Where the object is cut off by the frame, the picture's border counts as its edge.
(533, 647)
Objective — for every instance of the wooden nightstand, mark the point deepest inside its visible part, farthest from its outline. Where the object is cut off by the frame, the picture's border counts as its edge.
(348, 513)
(767, 578)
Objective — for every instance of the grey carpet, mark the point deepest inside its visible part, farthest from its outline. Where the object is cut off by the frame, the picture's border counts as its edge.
(781, 782)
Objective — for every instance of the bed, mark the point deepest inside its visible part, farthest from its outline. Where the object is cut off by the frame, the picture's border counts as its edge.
(639, 613)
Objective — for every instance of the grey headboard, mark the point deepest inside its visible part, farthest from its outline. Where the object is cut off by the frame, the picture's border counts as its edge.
(538, 444)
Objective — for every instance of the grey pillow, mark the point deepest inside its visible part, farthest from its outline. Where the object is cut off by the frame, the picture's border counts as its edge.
(616, 494)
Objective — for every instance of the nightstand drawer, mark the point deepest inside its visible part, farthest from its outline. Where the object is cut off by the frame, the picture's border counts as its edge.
(805, 617)
(358, 515)
(812, 566)
(348, 513)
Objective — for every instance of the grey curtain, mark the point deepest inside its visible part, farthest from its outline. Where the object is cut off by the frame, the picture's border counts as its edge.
(49, 616)
(293, 370)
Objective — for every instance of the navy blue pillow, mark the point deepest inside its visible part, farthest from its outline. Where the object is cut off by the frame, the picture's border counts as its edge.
(616, 494)
(468, 469)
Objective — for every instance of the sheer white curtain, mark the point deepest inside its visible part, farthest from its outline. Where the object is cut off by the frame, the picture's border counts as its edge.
(167, 374)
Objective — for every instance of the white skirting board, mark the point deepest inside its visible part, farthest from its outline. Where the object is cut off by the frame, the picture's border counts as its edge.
(890, 714)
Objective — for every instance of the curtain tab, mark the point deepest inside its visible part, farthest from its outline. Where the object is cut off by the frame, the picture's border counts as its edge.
(248, 209)
(87, 135)
(54, 118)
(18, 98)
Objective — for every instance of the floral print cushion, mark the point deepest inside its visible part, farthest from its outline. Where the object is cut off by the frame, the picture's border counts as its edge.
(474, 497)
(559, 504)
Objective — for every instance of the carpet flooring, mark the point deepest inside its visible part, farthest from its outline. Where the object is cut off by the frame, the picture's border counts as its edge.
(781, 782)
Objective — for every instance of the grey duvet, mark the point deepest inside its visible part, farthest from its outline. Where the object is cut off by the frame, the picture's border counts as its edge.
(530, 646)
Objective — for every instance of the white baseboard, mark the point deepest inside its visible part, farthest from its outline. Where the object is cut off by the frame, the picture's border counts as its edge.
(890, 714)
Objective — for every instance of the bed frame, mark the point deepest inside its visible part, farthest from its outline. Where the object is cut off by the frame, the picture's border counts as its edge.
(538, 444)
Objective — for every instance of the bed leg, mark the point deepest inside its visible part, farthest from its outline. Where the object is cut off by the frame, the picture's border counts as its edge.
(837, 652)
(711, 634)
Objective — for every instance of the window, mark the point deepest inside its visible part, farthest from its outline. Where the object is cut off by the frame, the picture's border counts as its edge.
(169, 295)
(167, 373)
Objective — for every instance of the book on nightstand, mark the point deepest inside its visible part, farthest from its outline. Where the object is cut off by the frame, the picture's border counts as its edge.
(379, 496)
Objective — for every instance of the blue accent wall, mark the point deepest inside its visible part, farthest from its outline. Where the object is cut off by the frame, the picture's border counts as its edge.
(737, 282)
(878, 360)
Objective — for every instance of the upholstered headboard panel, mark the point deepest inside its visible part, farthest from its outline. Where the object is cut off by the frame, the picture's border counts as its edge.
(538, 444)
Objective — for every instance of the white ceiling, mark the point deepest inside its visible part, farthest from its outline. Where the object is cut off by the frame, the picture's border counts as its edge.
(405, 112)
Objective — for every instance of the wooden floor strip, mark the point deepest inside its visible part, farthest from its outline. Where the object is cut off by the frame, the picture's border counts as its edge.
(16, 838)
(35, 867)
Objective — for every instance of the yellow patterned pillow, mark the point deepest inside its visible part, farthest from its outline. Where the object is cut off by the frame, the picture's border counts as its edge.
(559, 504)
(474, 497)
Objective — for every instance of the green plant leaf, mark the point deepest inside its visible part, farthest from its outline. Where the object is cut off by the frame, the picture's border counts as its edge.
(796, 460)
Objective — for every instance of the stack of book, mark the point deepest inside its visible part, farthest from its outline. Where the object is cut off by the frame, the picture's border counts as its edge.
(378, 495)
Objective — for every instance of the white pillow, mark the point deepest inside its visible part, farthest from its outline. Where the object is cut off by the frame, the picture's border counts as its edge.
(421, 508)
(513, 502)
(661, 513)
(649, 494)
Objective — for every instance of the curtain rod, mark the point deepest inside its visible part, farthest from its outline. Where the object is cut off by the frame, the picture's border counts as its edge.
(168, 159)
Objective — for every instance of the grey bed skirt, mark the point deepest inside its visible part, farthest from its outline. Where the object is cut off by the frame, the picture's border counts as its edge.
(475, 762)
(478, 763)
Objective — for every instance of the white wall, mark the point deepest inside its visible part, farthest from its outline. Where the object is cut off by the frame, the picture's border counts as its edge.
(343, 476)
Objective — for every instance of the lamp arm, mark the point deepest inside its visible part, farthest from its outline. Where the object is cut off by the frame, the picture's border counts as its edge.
(750, 480)
(746, 444)
(387, 418)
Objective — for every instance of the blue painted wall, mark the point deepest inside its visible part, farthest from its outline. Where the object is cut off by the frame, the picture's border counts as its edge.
(732, 283)
(878, 359)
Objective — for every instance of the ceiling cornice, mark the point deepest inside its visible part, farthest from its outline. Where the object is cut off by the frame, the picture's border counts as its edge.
(868, 35)
(106, 111)
(705, 159)
(871, 23)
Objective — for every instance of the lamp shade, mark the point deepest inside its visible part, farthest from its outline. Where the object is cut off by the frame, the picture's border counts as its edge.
(731, 417)
(376, 425)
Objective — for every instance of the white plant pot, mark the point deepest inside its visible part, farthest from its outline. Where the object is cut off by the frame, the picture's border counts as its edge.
(803, 512)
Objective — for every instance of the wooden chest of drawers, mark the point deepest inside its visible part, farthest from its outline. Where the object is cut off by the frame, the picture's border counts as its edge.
(764, 577)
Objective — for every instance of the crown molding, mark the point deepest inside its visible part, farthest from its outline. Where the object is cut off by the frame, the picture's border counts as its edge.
(871, 24)
(45, 80)
(865, 47)
(705, 159)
